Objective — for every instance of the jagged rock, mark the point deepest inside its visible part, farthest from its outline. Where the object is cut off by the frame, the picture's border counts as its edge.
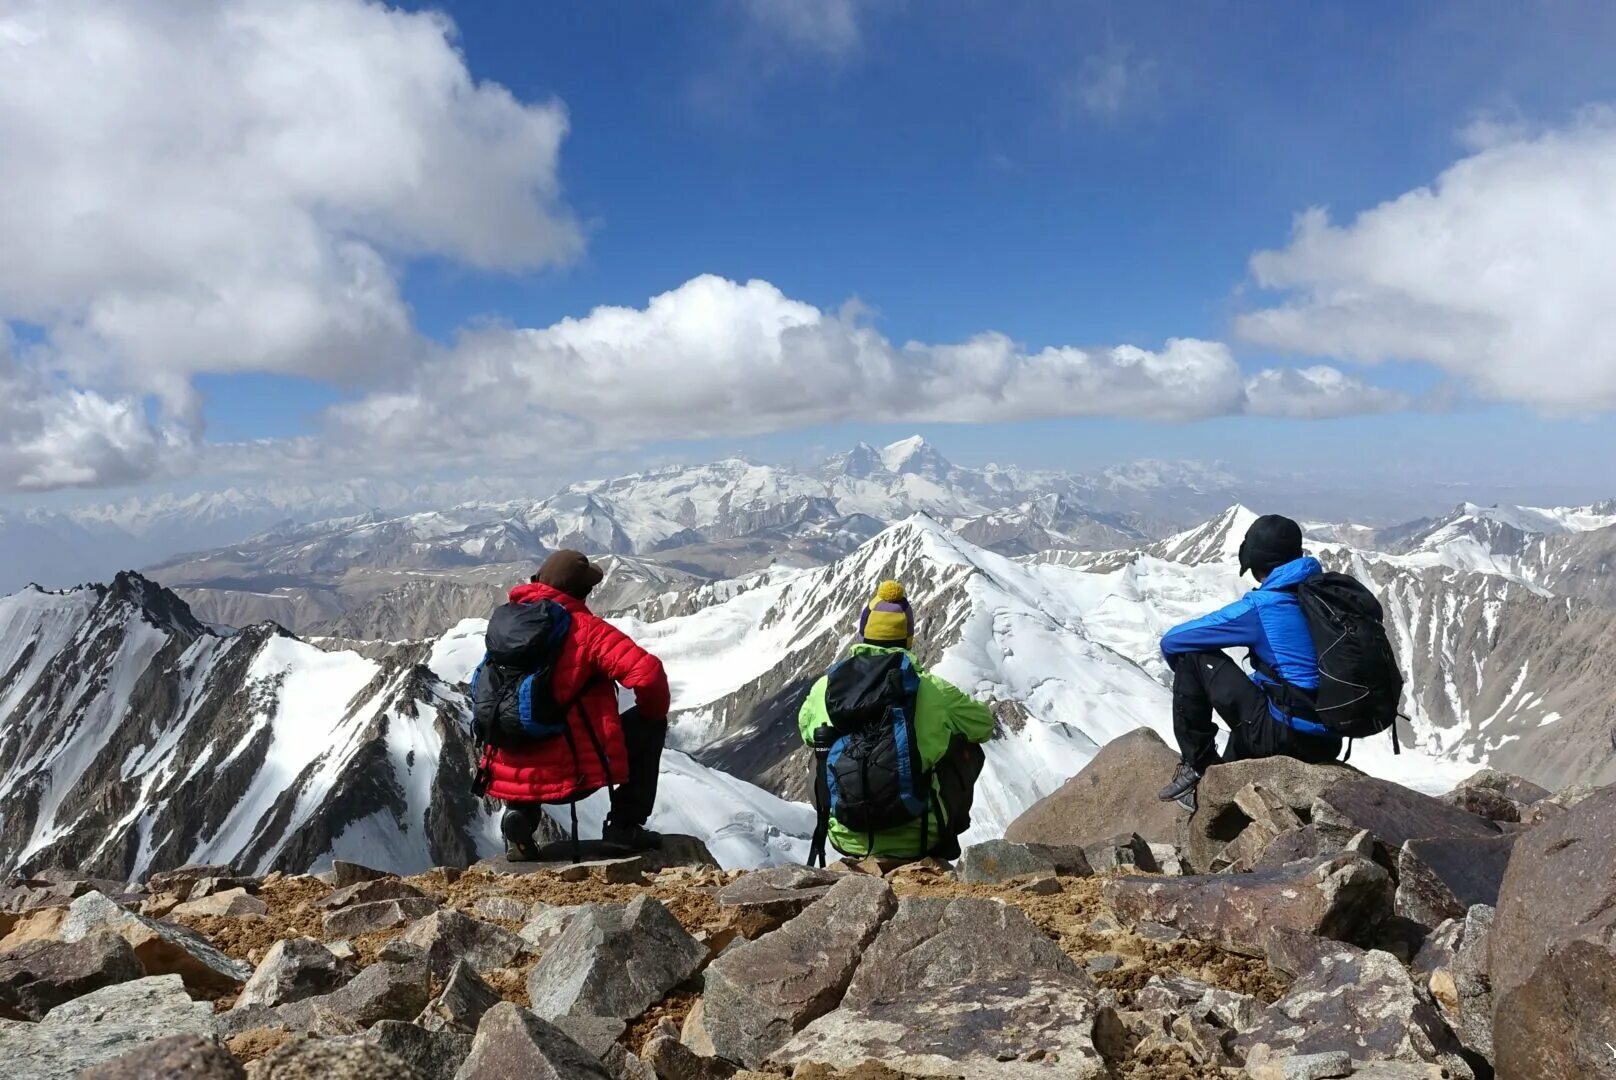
(370, 892)
(1296, 952)
(596, 857)
(400, 951)
(765, 900)
(1364, 1004)
(178, 1057)
(182, 879)
(162, 948)
(1268, 816)
(674, 1061)
(1339, 896)
(331, 1059)
(40, 975)
(960, 987)
(344, 873)
(461, 1004)
(1496, 796)
(1394, 814)
(230, 902)
(1169, 860)
(1219, 819)
(762, 992)
(434, 1055)
(1443, 878)
(502, 908)
(513, 1042)
(997, 861)
(386, 990)
(101, 1026)
(1312, 840)
(1115, 792)
(1457, 976)
(380, 915)
(448, 937)
(1553, 948)
(624, 1065)
(614, 961)
(1126, 851)
(597, 1034)
(294, 969)
(1180, 994)
(548, 923)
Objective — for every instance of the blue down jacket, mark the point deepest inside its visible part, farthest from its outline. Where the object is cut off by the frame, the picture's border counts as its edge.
(1268, 620)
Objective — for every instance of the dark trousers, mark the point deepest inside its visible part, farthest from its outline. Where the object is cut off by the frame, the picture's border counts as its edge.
(1209, 682)
(634, 796)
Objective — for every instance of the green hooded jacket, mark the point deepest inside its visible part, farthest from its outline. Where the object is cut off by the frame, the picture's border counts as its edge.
(942, 710)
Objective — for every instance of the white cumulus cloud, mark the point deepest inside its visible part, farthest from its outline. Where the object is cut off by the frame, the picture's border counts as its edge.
(1317, 393)
(1501, 272)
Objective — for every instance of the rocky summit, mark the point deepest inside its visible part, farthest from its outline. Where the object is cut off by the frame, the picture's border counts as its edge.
(1305, 922)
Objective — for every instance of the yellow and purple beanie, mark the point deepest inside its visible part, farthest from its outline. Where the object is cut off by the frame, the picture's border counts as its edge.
(887, 620)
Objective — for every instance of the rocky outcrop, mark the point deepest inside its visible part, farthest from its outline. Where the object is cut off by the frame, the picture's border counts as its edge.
(1445, 877)
(1219, 819)
(294, 969)
(765, 900)
(178, 1057)
(1394, 814)
(614, 961)
(997, 861)
(461, 1004)
(511, 1041)
(1338, 896)
(162, 948)
(1114, 793)
(448, 937)
(1496, 796)
(39, 975)
(100, 1026)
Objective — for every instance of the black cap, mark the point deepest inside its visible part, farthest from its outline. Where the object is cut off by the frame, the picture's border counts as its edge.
(1271, 541)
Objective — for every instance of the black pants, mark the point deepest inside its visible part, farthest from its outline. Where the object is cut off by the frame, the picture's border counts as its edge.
(634, 797)
(1209, 682)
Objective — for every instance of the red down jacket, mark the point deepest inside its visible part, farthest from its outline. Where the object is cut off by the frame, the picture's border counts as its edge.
(595, 657)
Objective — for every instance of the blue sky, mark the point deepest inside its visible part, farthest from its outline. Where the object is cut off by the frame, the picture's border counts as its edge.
(1065, 174)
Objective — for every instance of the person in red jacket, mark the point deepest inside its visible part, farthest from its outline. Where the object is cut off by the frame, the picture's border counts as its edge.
(623, 751)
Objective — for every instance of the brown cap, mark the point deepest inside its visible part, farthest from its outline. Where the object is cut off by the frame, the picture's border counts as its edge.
(570, 572)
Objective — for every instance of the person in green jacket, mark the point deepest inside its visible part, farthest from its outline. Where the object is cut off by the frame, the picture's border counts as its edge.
(948, 727)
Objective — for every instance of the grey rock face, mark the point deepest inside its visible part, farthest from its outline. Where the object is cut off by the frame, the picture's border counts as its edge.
(344, 873)
(385, 990)
(614, 961)
(1361, 1003)
(161, 947)
(1126, 851)
(370, 891)
(40, 975)
(226, 903)
(449, 937)
(762, 992)
(178, 1057)
(350, 1058)
(1459, 981)
(765, 900)
(1394, 814)
(100, 1026)
(1445, 877)
(294, 969)
(380, 915)
(461, 1004)
(1495, 795)
(1219, 819)
(181, 880)
(1339, 896)
(963, 987)
(997, 861)
(1312, 840)
(1114, 793)
(672, 1060)
(513, 1042)
(434, 1055)
(547, 924)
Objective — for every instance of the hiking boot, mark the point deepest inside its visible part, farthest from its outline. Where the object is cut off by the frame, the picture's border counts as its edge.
(1182, 788)
(517, 830)
(630, 837)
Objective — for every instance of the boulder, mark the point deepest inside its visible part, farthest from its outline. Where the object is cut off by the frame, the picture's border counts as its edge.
(294, 969)
(997, 861)
(958, 987)
(512, 1041)
(101, 1026)
(162, 948)
(350, 1058)
(672, 1060)
(358, 919)
(1114, 793)
(385, 990)
(1312, 840)
(177, 1057)
(344, 873)
(207, 886)
(1442, 878)
(1124, 852)
(1338, 896)
(1296, 952)
(549, 921)
(449, 937)
(1363, 1004)
(597, 1034)
(225, 904)
(1495, 795)
(765, 900)
(40, 975)
(1457, 977)
(1219, 819)
(182, 879)
(369, 892)
(1394, 814)
(1180, 995)
(461, 1004)
(762, 992)
(614, 960)
(1169, 860)
(1269, 817)
(1560, 1023)
(1306, 1067)
(434, 1055)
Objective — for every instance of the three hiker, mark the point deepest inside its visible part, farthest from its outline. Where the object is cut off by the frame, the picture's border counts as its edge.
(545, 705)
(1283, 707)
(897, 749)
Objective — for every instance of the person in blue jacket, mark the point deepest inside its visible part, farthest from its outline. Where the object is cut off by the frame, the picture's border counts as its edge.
(1267, 712)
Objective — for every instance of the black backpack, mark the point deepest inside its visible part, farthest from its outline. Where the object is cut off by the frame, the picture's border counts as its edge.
(1359, 683)
(869, 772)
(512, 703)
